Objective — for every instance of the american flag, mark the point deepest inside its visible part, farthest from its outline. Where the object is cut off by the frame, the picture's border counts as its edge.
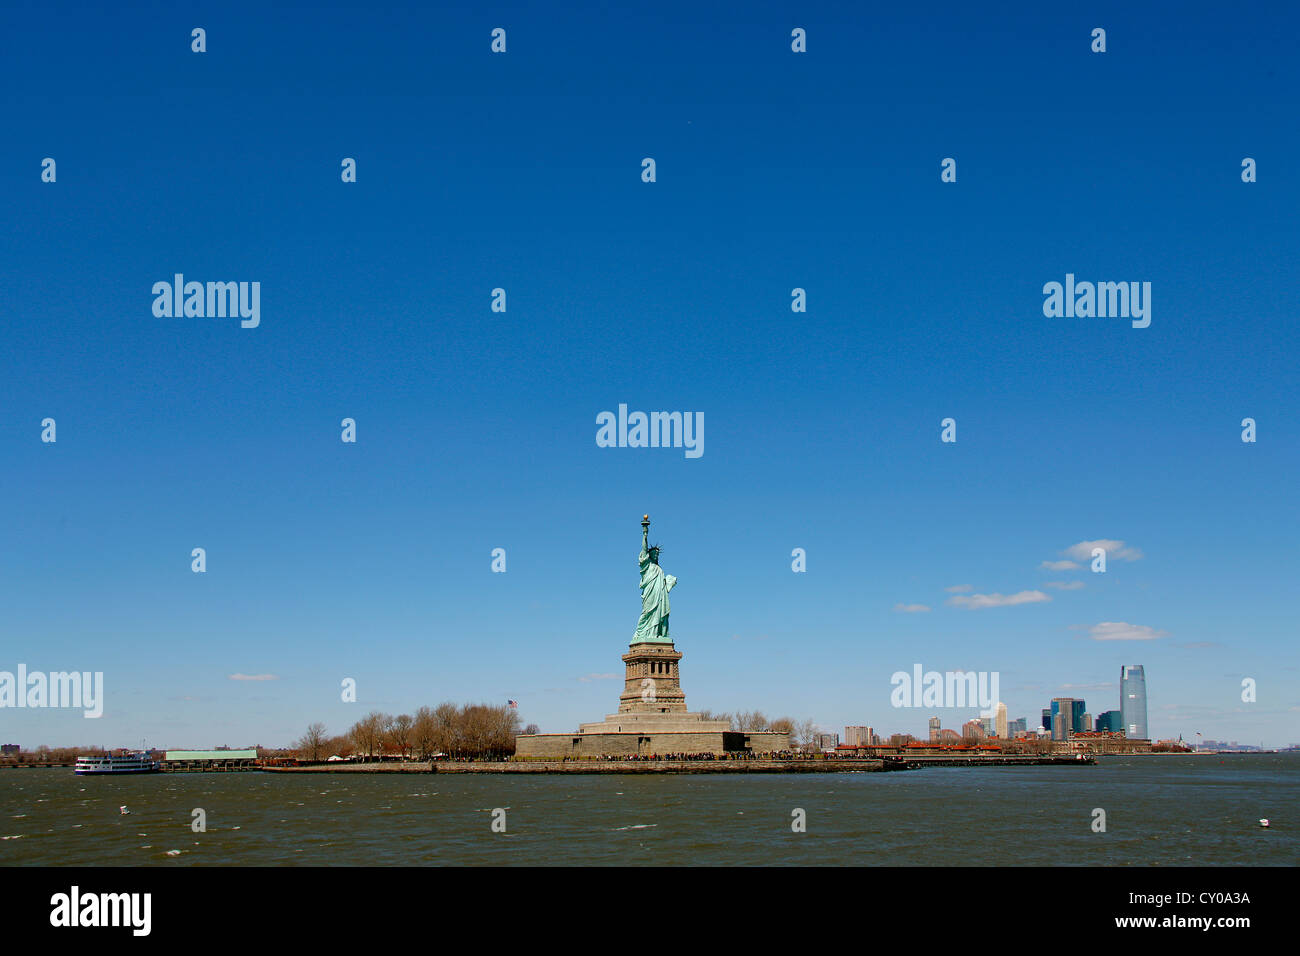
(513, 703)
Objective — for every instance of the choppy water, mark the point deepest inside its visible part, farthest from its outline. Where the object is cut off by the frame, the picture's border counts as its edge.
(1200, 810)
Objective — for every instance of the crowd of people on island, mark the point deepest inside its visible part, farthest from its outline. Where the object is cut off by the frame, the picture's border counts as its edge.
(729, 755)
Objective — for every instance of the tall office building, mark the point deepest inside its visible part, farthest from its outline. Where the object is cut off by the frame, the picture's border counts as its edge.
(1000, 721)
(1133, 701)
(1087, 722)
(934, 729)
(857, 736)
(1060, 727)
(1072, 709)
(1047, 718)
(1018, 726)
(1109, 721)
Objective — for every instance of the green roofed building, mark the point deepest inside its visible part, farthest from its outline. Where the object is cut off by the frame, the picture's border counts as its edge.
(211, 755)
(210, 760)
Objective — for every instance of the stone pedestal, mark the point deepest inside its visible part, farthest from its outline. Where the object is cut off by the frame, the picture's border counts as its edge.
(652, 684)
(653, 700)
(652, 718)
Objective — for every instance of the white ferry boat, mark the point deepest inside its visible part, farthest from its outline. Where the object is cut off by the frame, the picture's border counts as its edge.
(139, 762)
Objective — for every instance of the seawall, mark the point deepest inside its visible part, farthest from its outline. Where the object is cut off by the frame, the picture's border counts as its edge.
(841, 765)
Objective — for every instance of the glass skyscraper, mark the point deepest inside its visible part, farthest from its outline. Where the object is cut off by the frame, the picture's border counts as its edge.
(1133, 701)
(1072, 709)
(1110, 720)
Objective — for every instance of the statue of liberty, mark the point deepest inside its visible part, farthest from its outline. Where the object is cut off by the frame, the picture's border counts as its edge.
(655, 585)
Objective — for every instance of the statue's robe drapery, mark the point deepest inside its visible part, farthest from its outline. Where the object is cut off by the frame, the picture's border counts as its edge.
(655, 585)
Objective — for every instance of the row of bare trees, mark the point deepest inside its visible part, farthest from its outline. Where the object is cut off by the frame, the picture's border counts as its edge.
(43, 755)
(470, 730)
(804, 734)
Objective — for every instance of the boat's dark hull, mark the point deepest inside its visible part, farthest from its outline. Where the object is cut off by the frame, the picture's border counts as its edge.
(115, 773)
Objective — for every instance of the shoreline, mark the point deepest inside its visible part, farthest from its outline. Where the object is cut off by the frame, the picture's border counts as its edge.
(688, 766)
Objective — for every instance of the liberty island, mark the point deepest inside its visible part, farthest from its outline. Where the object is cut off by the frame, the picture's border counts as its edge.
(652, 717)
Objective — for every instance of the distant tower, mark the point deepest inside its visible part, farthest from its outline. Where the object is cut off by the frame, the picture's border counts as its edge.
(934, 729)
(1070, 710)
(1002, 720)
(1133, 701)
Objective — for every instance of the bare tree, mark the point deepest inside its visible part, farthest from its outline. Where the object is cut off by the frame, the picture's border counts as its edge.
(446, 722)
(532, 729)
(399, 732)
(368, 733)
(312, 742)
(340, 745)
(782, 725)
(424, 737)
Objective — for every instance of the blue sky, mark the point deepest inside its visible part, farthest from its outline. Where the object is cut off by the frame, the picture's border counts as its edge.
(476, 429)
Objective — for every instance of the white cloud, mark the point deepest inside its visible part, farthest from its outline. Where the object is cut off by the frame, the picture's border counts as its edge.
(1059, 566)
(959, 588)
(976, 601)
(1121, 631)
(251, 677)
(911, 608)
(1064, 585)
(1115, 550)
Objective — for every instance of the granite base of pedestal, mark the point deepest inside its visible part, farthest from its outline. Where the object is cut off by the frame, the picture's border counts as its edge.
(651, 719)
(643, 741)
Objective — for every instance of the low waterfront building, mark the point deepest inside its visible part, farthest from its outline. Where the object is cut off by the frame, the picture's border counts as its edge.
(209, 760)
(1101, 742)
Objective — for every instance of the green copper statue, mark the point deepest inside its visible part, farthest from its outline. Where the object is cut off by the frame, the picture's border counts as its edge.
(655, 585)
